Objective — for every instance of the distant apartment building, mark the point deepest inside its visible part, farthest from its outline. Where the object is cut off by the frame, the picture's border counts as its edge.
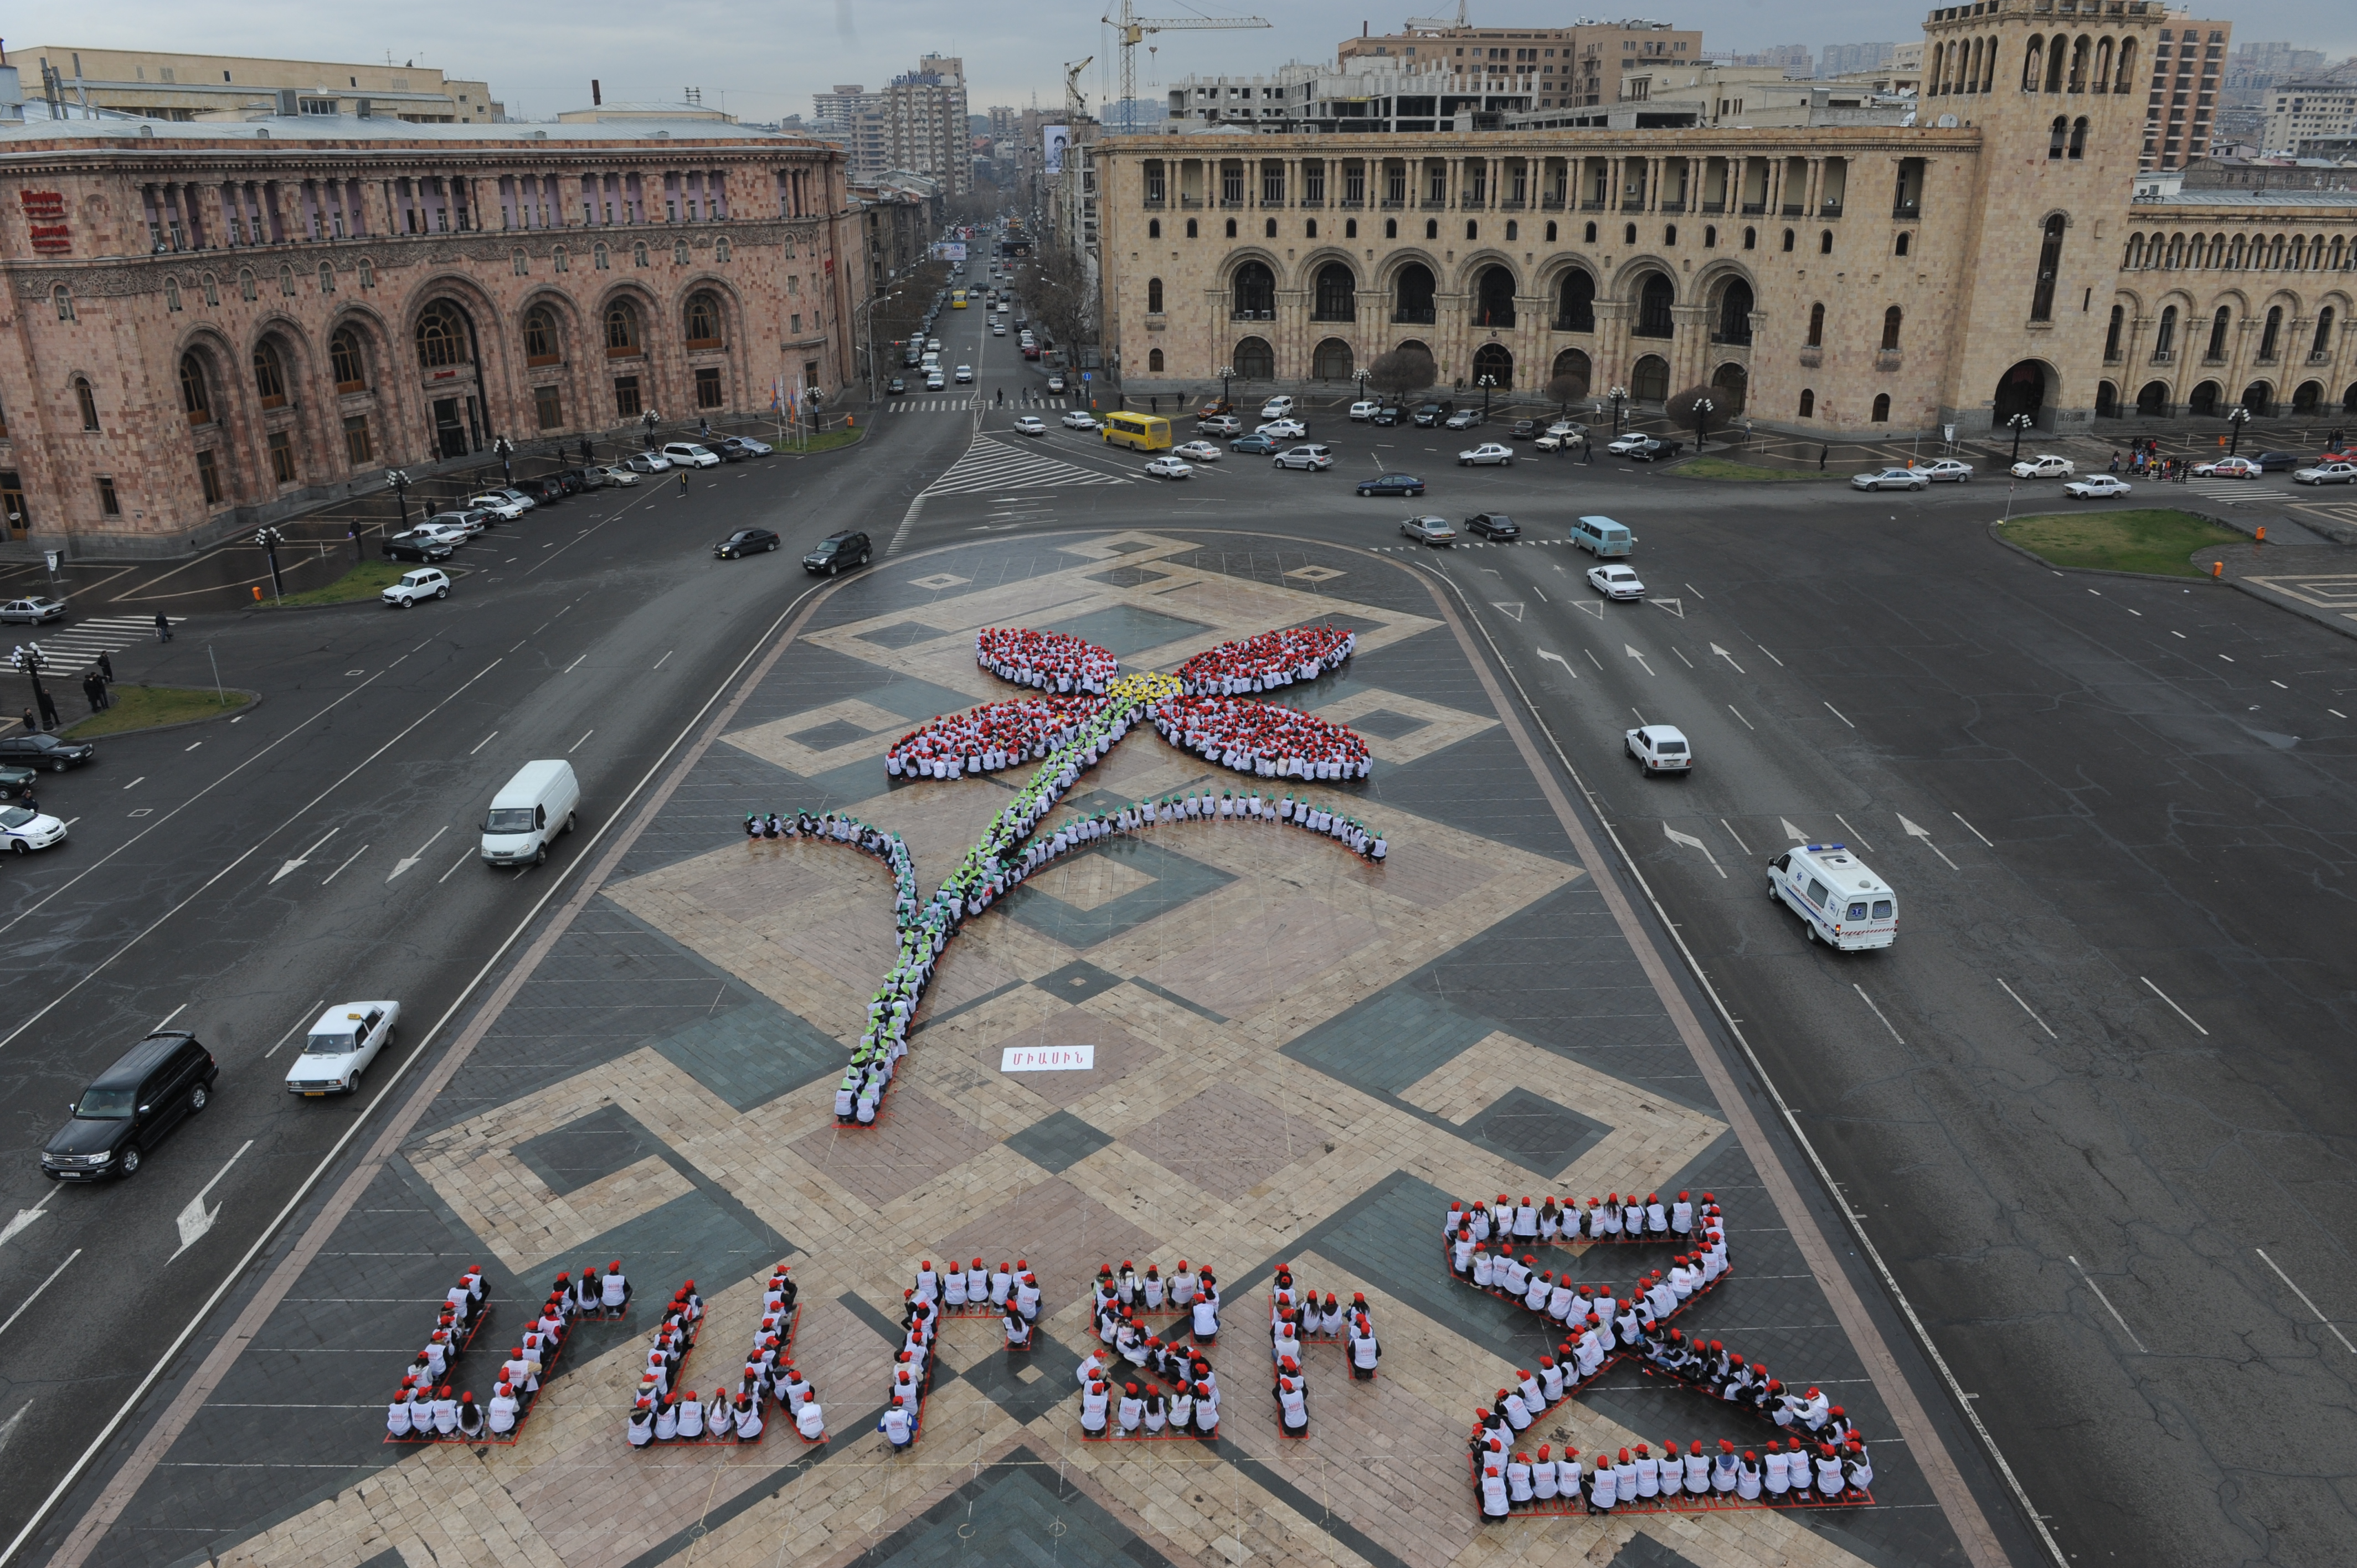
(2305, 111)
(1841, 59)
(924, 123)
(1545, 68)
(2189, 60)
(159, 84)
(2266, 64)
(856, 116)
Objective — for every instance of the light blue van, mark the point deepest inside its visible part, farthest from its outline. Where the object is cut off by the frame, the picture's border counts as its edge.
(1601, 536)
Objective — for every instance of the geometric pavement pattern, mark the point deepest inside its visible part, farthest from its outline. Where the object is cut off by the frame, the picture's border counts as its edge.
(1298, 1055)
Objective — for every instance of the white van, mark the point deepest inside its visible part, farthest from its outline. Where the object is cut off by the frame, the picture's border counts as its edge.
(1600, 536)
(1837, 898)
(529, 812)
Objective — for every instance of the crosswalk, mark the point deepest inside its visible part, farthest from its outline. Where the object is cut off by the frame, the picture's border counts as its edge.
(968, 404)
(998, 466)
(82, 641)
(2229, 491)
(1465, 545)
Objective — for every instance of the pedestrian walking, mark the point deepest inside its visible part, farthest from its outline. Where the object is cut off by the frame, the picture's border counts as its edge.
(585, 449)
(106, 668)
(91, 691)
(48, 708)
(163, 626)
(1822, 450)
(683, 484)
(32, 726)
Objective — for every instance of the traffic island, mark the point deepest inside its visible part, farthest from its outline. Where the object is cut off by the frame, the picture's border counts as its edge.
(159, 707)
(2156, 541)
(365, 581)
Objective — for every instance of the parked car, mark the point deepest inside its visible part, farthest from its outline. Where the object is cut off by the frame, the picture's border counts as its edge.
(416, 546)
(1314, 457)
(25, 830)
(1464, 419)
(2228, 469)
(690, 454)
(495, 505)
(1390, 415)
(1365, 409)
(14, 777)
(1429, 530)
(545, 491)
(1563, 427)
(2045, 467)
(1030, 424)
(1197, 451)
(128, 1109)
(1221, 424)
(1168, 468)
(425, 582)
(1615, 581)
(1489, 452)
(1277, 407)
(1286, 429)
(1947, 470)
(1217, 408)
(745, 542)
(449, 528)
(617, 474)
(340, 1048)
(1254, 445)
(1889, 479)
(1525, 430)
(2097, 487)
(44, 751)
(1428, 414)
(1570, 441)
(1656, 450)
(837, 552)
(1391, 484)
(1493, 525)
(648, 463)
(34, 611)
(2326, 474)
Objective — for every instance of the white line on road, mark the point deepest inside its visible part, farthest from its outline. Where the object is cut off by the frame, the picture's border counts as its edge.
(576, 745)
(665, 659)
(44, 1286)
(1764, 648)
(24, 1217)
(1592, 659)
(1853, 832)
(195, 1218)
(2181, 1012)
(484, 742)
(453, 865)
(289, 1034)
(568, 668)
(191, 746)
(2261, 1251)
(2109, 1308)
(1862, 996)
(1974, 831)
(1718, 653)
(1637, 657)
(1738, 715)
(305, 858)
(137, 782)
(2024, 1007)
(340, 870)
(409, 860)
(168, 1018)
(1688, 839)
(1916, 831)
(1559, 659)
(1837, 713)
(1682, 658)
(1695, 591)
(1543, 598)
(1736, 836)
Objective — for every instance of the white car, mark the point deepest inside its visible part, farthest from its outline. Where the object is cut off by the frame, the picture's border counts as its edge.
(1635, 441)
(1168, 469)
(934, 382)
(2097, 487)
(425, 582)
(1030, 424)
(498, 505)
(516, 496)
(1661, 748)
(964, 374)
(999, 329)
(2045, 467)
(1276, 408)
(443, 531)
(2228, 469)
(616, 475)
(932, 345)
(1563, 427)
(1282, 429)
(1570, 441)
(688, 454)
(1195, 451)
(38, 609)
(25, 830)
(1079, 419)
(2326, 474)
(1364, 409)
(1615, 581)
(341, 1046)
(648, 463)
(1947, 470)
(1496, 451)
(1056, 382)
(1889, 479)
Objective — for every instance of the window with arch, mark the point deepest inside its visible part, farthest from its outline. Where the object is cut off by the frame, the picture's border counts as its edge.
(1472, 229)
(679, 253)
(86, 401)
(1390, 228)
(1826, 243)
(1153, 361)
(1808, 404)
(2218, 325)
(287, 279)
(1152, 296)
(1881, 415)
(2133, 258)
(540, 339)
(1254, 293)
(1735, 303)
(245, 289)
(345, 356)
(2323, 345)
(1192, 226)
(1350, 229)
(63, 297)
(327, 277)
(269, 374)
(2271, 335)
(441, 335)
(2079, 138)
(600, 258)
(1816, 326)
(368, 274)
(1513, 229)
(1413, 294)
(1268, 228)
(2055, 56)
(171, 294)
(1751, 239)
(2050, 263)
(2111, 333)
(1587, 235)
(639, 253)
(2164, 339)
(2058, 136)
(559, 261)
(1232, 227)
(195, 400)
(211, 286)
(622, 340)
(1154, 227)
(1336, 296)
(1254, 360)
(2033, 64)
(1891, 319)
(703, 319)
(1789, 238)
(720, 252)
(1432, 228)
(1628, 233)
(1904, 241)
(1574, 302)
(1669, 234)
(1710, 236)
(1493, 297)
(1653, 299)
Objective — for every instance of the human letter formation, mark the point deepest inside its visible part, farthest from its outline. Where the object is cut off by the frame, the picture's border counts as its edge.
(425, 1409)
(1264, 663)
(736, 1411)
(1010, 1293)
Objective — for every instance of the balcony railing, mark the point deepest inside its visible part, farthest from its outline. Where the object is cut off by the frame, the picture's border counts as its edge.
(1435, 204)
(1907, 212)
(2164, 356)
(1153, 203)
(1551, 203)
(1714, 207)
(1794, 210)
(1829, 210)
(1191, 204)
(1395, 203)
(1739, 338)
(1243, 314)
(1591, 206)
(1812, 358)
(1755, 209)
(1408, 316)
(1573, 323)
(1352, 203)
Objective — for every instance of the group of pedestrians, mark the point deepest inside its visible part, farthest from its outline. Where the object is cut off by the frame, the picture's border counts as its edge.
(1268, 661)
(663, 1412)
(988, 739)
(1264, 739)
(97, 688)
(425, 1409)
(1053, 661)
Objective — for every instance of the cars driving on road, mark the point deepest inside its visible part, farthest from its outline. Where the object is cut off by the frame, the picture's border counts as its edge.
(1463, 419)
(837, 552)
(1056, 382)
(1838, 899)
(1489, 452)
(1947, 470)
(1889, 479)
(616, 475)
(2269, 462)
(1429, 530)
(425, 582)
(896, 387)
(1615, 581)
(2097, 487)
(416, 545)
(934, 382)
(1391, 484)
(1079, 419)
(1030, 424)
(1277, 407)
(2228, 469)
(496, 504)
(1169, 467)
(2326, 474)
(964, 374)
(1525, 430)
(1493, 525)
(24, 830)
(340, 1047)
(1653, 449)
(36, 611)
(128, 1109)
(2044, 467)
(44, 751)
(1254, 445)
(1195, 451)
(745, 542)
(1220, 424)
(1314, 457)
(1661, 748)
(744, 447)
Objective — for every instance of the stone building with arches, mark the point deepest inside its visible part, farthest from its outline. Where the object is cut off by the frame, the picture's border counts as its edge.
(1989, 262)
(215, 325)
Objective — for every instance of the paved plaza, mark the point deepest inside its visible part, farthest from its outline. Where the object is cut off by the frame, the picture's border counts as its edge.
(1299, 1058)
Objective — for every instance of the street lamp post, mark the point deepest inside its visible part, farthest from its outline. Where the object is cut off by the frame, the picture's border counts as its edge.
(2236, 418)
(1486, 382)
(1362, 375)
(397, 481)
(1225, 372)
(2017, 423)
(31, 661)
(650, 419)
(1704, 408)
(270, 539)
(505, 448)
(1618, 396)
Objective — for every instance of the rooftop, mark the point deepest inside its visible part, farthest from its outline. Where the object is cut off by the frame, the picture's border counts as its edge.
(37, 130)
(2213, 195)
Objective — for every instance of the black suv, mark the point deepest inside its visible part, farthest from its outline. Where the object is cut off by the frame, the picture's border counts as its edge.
(546, 491)
(837, 552)
(128, 1108)
(1431, 413)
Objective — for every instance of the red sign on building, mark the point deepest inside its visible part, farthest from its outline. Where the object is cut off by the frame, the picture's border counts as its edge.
(44, 212)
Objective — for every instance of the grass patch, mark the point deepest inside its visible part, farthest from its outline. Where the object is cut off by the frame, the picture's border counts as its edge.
(144, 707)
(1723, 468)
(365, 581)
(2157, 540)
(825, 440)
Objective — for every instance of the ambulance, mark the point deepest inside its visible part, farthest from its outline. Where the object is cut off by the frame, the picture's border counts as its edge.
(1838, 899)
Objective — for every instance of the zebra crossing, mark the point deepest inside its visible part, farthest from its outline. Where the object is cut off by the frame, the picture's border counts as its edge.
(82, 641)
(968, 404)
(2229, 491)
(1463, 544)
(996, 467)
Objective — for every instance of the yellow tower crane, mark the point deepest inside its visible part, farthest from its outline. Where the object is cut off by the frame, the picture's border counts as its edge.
(1133, 29)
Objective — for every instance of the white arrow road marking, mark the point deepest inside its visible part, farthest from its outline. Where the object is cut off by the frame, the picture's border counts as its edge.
(23, 1216)
(1513, 609)
(196, 1219)
(1637, 657)
(1914, 831)
(1692, 841)
(409, 860)
(1559, 659)
(304, 859)
(1795, 835)
(1718, 653)
(1675, 607)
(8, 1427)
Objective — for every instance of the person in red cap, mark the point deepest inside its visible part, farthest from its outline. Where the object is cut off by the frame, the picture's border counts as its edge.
(1494, 1502)
(401, 1416)
(641, 1429)
(614, 1290)
(1292, 1401)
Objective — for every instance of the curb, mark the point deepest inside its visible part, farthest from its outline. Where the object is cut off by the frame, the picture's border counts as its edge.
(2264, 595)
(1996, 533)
(252, 701)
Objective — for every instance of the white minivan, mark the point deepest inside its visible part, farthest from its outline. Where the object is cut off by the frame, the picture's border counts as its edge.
(1837, 898)
(529, 812)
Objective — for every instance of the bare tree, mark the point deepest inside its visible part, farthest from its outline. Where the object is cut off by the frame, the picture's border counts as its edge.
(1054, 285)
(1694, 407)
(1402, 371)
(1566, 389)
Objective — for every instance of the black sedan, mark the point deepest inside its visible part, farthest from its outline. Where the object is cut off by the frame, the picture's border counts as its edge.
(1390, 415)
(837, 552)
(1527, 429)
(745, 542)
(544, 491)
(2269, 462)
(1493, 525)
(44, 751)
(416, 546)
(1391, 484)
(1656, 451)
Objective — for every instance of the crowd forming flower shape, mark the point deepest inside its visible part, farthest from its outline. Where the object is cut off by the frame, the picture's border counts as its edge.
(1088, 708)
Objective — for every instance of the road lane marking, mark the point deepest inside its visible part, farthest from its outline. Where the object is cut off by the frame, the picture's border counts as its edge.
(1738, 715)
(1592, 659)
(1862, 996)
(568, 668)
(2261, 1251)
(1559, 659)
(1695, 591)
(2109, 1308)
(168, 1018)
(2024, 1007)
(1837, 713)
(1853, 832)
(191, 746)
(460, 861)
(195, 1218)
(1682, 658)
(1764, 648)
(665, 659)
(407, 860)
(1915, 832)
(1718, 653)
(1974, 831)
(24, 1217)
(1688, 839)
(1795, 835)
(289, 1034)
(39, 1288)
(137, 782)
(340, 870)
(304, 859)
(484, 742)
(1637, 657)
(1736, 836)
(2181, 1012)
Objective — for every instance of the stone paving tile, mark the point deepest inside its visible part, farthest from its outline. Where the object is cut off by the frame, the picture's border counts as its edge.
(1225, 1140)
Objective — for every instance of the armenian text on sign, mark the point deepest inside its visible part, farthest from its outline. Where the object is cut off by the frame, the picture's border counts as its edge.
(44, 212)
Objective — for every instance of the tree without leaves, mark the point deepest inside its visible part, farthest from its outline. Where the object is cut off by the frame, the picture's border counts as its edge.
(1402, 371)
(1686, 408)
(1566, 389)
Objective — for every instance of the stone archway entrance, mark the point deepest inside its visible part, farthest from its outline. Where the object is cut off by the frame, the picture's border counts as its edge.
(2021, 390)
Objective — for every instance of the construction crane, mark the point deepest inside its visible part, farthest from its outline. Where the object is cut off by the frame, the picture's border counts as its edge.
(1132, 30)
(1436, 24)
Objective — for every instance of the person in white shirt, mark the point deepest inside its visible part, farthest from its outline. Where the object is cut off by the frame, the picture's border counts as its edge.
(1364, 1352)
(667, 1419)
(1094, 1402)
(748, 1411)
(1604, 1487)
(1206, 1314)
(895, 1426)
(1746, 1477)
(1182, 1411)
(1018, 1330)
(445, 1413)
(614, 1290)
(1779, 1474)
(641, 1429)
(954, 1289)
(1002, 1285)
(1182, 1287)
(1207, 1410)
(689, 1416)
(1026, 1297)
(1293, 1407)
(719, 1416)
(1131, 1412)
(1543, 1481)
(810, 1420)
(502, 1411)
(1493, 1493)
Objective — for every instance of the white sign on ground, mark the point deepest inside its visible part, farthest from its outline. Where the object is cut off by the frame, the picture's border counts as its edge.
(1047, 1059)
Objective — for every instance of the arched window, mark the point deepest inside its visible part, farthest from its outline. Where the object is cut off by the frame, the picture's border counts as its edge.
(1826, 243)
(350, 367)
(1568, 383)
(367, 272)
(540, 336)
(1789, 238)
(1891, 322)
(63, 297)
(1654, 300)
(2323, 345)
(1751, 239)
(560, 261)
(679, 253)
(1628, 233)
(1193, 226)
(2055, 56)
(87, 402)
(720, 249)
(1350, 229)
(1154, 227)
(2033, 64)
(1881, 415)
(621, 330)
(2134, 259)
(1154, 360)
(245, 289)
(171, 294)
(2111, 336)
(1808, 404)
(2079, 138)
(286, 280)
(211, 286)
(1589, 234)
(2271, 333)
(1550, 232)
(1268, 231)
(703, 319)
(1472, 229)
(441, 335)
(1254, 360)
(327, 277)
(1816, 326)
(195, 400)
(2058, 136)
(1710, 236)
(1733, 313)
(2050, 262)
(1574, 302)
(517, 263)
(2125, 80)
(269, 375)
(2079, 47)
(2218, 323)
(1152, 296)
(1413, 292)
(1432, 228)
(1493, 364)
(639, 253)
(1494, 298)
(1513, 229)
(1337, 294)
(2165, 338)
(600, 257)
(1905, 239)
(1331, 360)
(1390, 228)
(1232, 227)
(1256, 293)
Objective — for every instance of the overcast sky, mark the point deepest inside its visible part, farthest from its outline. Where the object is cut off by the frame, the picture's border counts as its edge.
(766, 62)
